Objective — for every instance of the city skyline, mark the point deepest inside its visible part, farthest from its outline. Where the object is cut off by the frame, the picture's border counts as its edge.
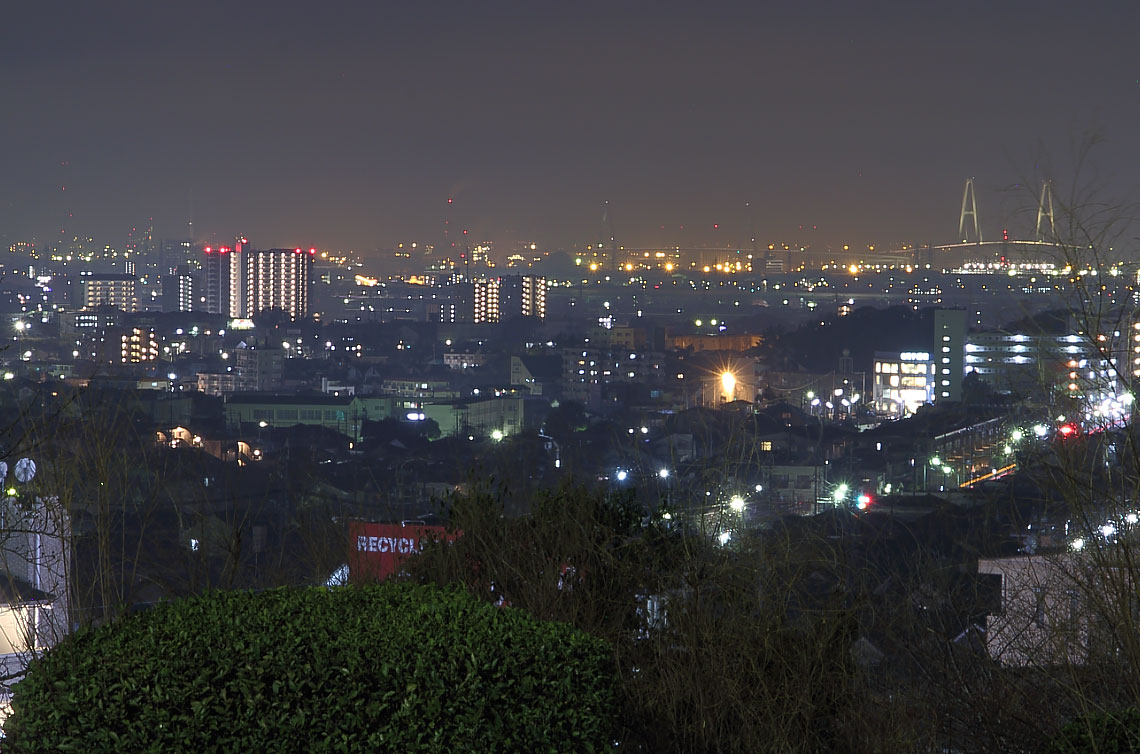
(359, 127)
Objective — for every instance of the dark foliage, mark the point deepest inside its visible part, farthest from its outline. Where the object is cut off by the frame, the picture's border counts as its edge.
(382, 668)
(1102, 733)
(816, 344)
(728, 650)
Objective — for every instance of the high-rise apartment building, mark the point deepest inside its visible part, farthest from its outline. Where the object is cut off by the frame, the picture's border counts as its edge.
(277, 279)
(534, 296)
(178, 290)
(117, 291)
(950, 352)
(222, 274)
(242, 282)
(486, 300)
(454, 302)
(522, 295)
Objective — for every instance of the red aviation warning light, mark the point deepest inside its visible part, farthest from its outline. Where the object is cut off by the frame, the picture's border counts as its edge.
(1004, 234)
(312, 252)
(209, 250)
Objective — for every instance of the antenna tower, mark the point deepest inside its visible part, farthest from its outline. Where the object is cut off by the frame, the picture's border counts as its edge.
(608, 224)
(751, 228)
(970, 208)
(1045, 210)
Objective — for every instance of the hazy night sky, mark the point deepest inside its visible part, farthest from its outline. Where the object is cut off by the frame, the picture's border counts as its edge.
(350, 125)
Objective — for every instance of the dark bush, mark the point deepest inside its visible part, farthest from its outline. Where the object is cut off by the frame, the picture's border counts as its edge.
(1102, 733)
(393, 667)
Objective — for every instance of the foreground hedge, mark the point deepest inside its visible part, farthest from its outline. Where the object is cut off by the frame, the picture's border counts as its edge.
(1100, 733)
(379, 668)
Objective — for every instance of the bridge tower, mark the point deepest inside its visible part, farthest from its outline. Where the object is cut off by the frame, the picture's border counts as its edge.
(969, 208)
(1045, 211)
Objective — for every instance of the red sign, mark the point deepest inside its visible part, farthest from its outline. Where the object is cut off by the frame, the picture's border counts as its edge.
(377, 550)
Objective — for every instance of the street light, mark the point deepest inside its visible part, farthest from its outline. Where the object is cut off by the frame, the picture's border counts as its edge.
(737, 503)
(663, 473)
(728, 386)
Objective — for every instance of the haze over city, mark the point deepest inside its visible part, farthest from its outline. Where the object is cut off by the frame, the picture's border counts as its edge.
(602, 376)
(349, 127)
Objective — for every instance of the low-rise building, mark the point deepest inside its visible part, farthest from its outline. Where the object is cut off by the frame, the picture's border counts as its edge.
(344, 414)
(1067, 608)
(902, 382)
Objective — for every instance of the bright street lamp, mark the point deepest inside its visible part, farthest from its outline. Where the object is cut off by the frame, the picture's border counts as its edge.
(728, 386)
(737, 503)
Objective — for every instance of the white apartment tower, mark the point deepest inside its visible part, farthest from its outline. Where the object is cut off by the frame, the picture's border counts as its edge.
(241, 282)
(277, 279)
(487, 300)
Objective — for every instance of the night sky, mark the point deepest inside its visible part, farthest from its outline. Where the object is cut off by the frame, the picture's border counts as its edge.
(349, 125)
